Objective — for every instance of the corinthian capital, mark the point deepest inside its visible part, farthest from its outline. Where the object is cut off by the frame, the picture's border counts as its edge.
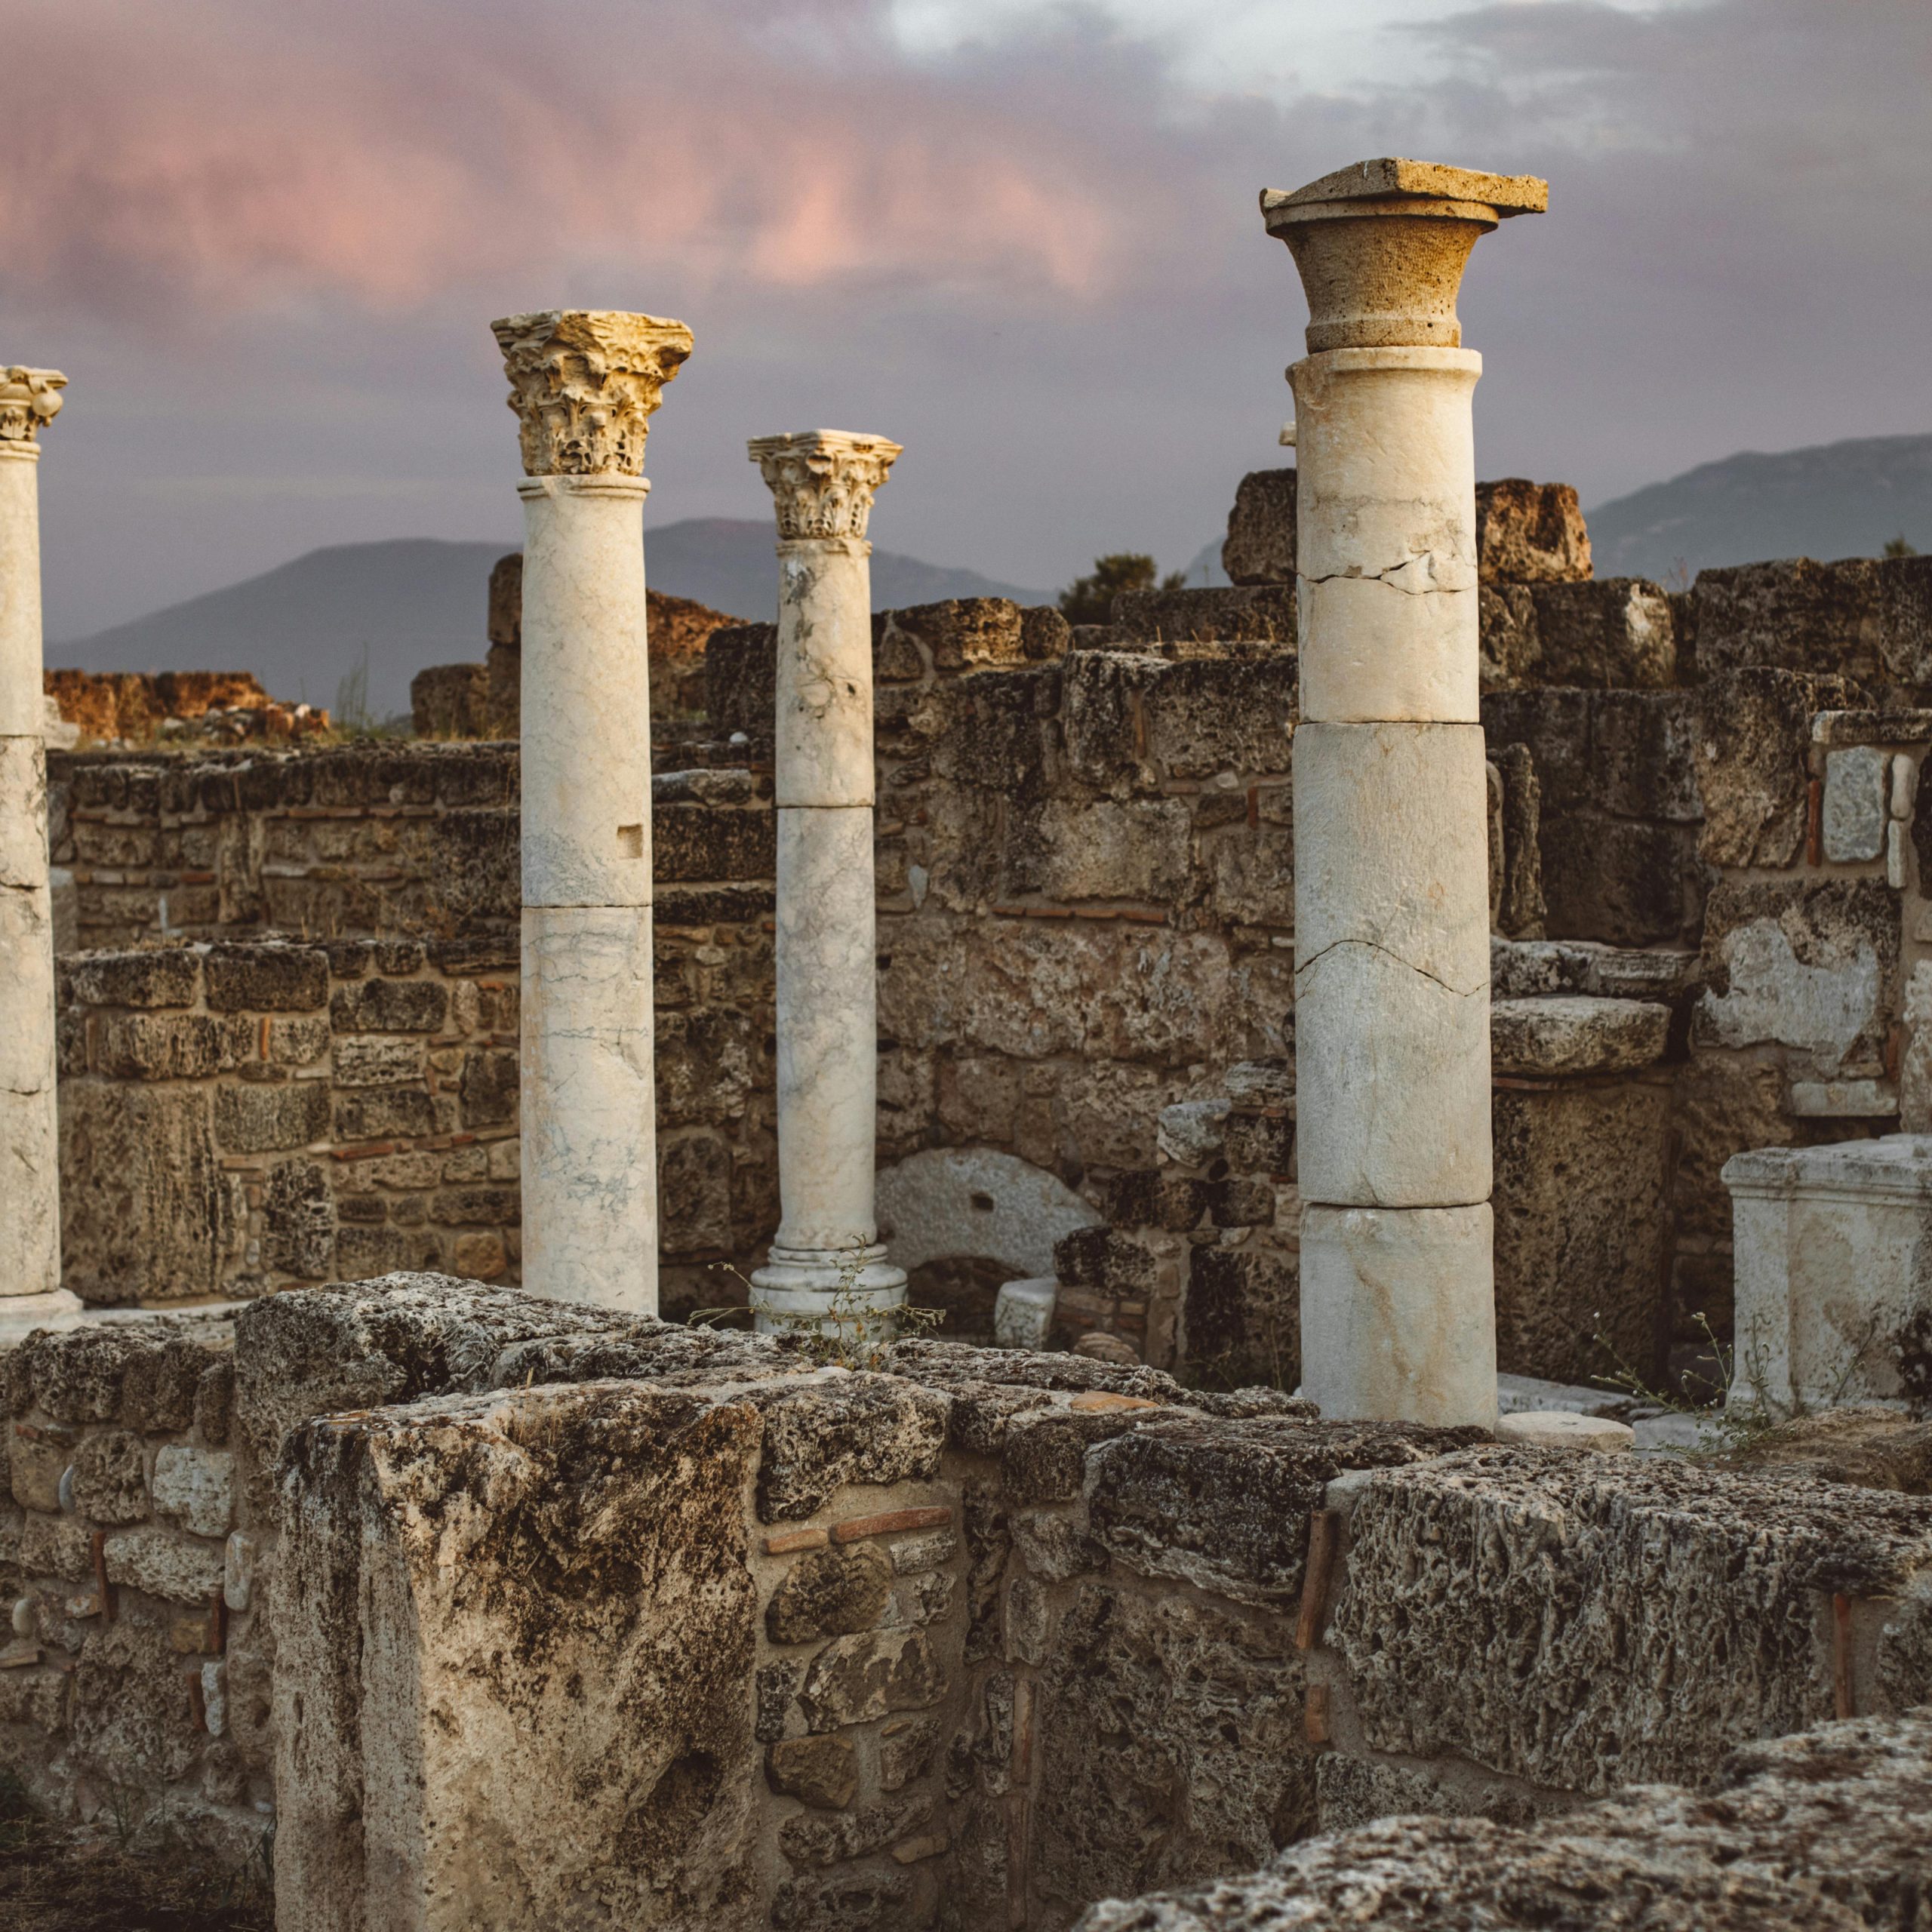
(28, 398)
(823, 479)
(583, 382)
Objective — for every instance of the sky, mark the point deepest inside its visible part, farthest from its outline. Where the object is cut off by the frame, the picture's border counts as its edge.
(265, 238)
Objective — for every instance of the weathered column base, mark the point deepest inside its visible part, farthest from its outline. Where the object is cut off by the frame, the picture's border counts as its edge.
(1398, 1314)
(834, 1290)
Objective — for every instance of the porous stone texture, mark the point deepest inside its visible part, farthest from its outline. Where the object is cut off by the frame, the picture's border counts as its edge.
(599, 1614)
(1864, 618)
(1820, 1830)
(113, 1569)
(1559, 1034)
(1442, 1623)
(1810, 967)
(1755, 725)
(1584, 1167)
(1530, 533)
(1260, 544)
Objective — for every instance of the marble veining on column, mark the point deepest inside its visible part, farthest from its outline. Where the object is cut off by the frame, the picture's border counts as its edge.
(584, 384)
(826, 1264)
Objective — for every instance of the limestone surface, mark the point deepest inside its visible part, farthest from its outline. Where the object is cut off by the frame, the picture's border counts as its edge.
(1449, 1630)
(1569, 1034)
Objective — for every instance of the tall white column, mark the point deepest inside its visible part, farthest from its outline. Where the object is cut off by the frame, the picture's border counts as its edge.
(29, 1136)
(583, 382)
(1391, 905)
(823, 482)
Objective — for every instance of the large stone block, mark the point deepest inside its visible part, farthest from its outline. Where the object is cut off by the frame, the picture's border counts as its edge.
(1260, 544)
(1223, 1506)
(259, 1118)
(1530, 533)
(523, 1713)
(160, 976)
(267, 979)
(1866, 618)
(1581, 1213)
(1809, 966)
(1568, 1033)
(146, 1213)
(1261, 614)
(1755, 732)
(1619, 633)
(1170, 1746)
(1711, 1589)
(1818, 1833)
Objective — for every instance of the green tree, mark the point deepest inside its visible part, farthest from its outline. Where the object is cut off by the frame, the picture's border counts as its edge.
(1897, 546)
(1090, 599)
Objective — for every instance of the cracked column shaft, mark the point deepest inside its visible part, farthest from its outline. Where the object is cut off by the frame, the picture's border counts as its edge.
(29, 1130)
(583, 382)
(827, 1249)
(1392, 903)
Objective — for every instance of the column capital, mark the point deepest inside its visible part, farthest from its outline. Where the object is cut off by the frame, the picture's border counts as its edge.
(29, 399)
(583, 382)
(823, 479)
(1381, 247)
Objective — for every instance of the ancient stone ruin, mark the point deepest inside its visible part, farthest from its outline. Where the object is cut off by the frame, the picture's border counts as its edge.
(1370, 1045)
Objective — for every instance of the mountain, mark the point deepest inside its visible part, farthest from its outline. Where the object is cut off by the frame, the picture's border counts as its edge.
(306, 627)
(1835, 500)
(728, 564)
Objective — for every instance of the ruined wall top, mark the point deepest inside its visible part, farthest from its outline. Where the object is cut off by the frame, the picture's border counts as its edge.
(823, 479)
(29, 399)
(583, 382)
(1382, 245)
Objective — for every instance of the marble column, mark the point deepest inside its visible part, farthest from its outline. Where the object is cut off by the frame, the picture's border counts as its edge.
(1392, 901)
(827, 1246)
(583, 383)
(29, 1136)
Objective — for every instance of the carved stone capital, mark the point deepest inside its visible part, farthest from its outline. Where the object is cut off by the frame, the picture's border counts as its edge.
(583, 382)
(1381, 246)
(28, 398)
(823, 479)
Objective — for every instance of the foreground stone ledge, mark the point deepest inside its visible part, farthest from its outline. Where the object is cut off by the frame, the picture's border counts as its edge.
(1486, 1591)
(1825, 1830)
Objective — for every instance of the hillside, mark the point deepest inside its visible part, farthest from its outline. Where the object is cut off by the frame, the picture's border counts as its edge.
(305, 627)
(1835, 500)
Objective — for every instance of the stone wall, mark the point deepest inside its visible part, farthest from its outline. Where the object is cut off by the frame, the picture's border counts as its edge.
(237, 1117)
(1084, 854)
(572, 1610)
(135, 1680)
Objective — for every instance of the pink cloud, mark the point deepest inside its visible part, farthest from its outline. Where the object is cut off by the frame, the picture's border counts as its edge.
(219, 151)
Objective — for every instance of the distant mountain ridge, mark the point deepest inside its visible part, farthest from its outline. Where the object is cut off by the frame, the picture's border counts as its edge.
(304, 627)
(1831, 501)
